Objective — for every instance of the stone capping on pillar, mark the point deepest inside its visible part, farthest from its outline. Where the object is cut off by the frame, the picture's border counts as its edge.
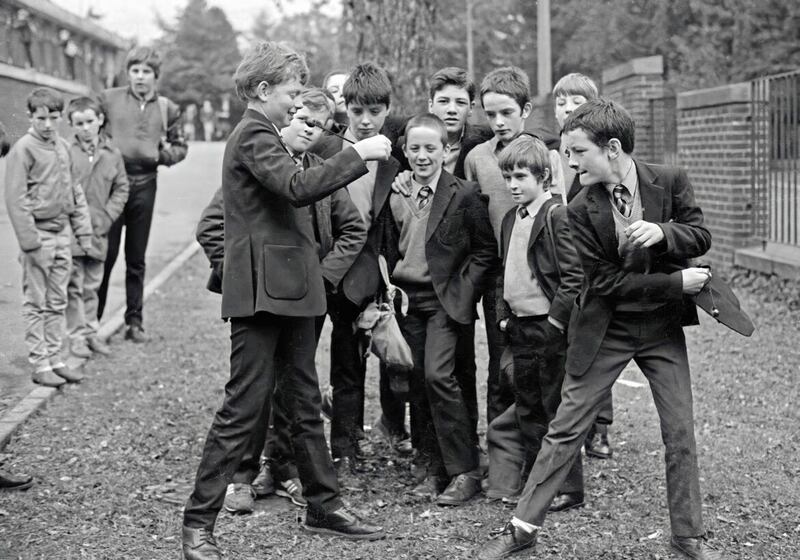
(65, 18)
(31, 76)
(713, 97)
(634, 67)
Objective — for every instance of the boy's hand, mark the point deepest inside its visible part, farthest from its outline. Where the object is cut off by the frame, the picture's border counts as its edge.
(85, 243)
(644, 234)
(694, 279)
(377, 148)
(402, 183)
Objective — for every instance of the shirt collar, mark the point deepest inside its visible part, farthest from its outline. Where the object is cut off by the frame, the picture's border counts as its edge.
(416, 187)
(630, 181)
(535, 205)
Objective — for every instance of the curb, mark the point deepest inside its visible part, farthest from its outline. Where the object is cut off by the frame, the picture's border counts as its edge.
(40, 396)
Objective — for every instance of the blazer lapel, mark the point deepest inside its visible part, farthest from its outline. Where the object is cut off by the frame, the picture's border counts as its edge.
(599, 207)
(652, 194)
(538, 223)
(384, 176)
(441, 199)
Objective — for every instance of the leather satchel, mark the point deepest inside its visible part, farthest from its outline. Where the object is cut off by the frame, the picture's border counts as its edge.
(379, 325)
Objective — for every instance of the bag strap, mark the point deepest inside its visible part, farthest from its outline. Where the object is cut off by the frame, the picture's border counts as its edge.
(552, 233)
(391, 289)
(162, 107)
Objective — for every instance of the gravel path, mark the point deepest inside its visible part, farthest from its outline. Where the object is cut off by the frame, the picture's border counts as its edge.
(114, 456)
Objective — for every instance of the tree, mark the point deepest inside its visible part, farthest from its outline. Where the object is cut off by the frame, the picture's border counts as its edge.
(312, 32)
(200, 55)
(398, 35)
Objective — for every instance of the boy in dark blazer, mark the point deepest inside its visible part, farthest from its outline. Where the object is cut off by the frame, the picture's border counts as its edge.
(340, 233)
(272, 290)
(540, 280)
(444, 247)
(635, 227)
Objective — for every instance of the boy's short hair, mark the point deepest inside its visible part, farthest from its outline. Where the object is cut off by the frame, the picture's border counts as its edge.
(45, 97)
(428, 120)
(333, 73)
(144, 55)
(530, 152)
(576, 84)
(508, 80)
(84, 103)
(317, 100)
(270, 62)
(368, 84)
(602, 120)
(5, 145)
(452, 76)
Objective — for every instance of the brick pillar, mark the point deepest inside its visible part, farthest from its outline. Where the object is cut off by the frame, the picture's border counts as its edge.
(634, 84)
(714, 147)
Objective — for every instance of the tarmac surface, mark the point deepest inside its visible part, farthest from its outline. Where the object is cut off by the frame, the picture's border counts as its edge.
(183, 192)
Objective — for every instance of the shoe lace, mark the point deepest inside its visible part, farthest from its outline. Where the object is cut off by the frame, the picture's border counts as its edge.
(507, 529)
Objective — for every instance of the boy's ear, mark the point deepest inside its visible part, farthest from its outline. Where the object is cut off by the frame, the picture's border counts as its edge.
(101, 118)
(526, 110)
(614, 147)
(263, 89)
(430, 105)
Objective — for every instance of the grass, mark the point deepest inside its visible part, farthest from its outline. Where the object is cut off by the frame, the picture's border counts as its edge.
(114, 457)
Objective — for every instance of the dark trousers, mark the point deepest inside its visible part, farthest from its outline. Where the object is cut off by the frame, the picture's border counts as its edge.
(442, 421)
(539, 351)
(658, 346)
(260, 345)
(347, 375)
(498, 394)
(136, 218)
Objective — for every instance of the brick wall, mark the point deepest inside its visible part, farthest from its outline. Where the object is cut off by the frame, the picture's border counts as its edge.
(714, 147)
(634, 84)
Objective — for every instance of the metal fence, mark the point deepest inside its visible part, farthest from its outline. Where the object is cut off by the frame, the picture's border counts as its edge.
(664, 130)
(776, 158)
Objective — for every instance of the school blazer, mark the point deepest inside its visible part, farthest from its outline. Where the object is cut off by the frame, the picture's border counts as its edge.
(459, 245)
(668, 200)
(271, 261)
(559, 276)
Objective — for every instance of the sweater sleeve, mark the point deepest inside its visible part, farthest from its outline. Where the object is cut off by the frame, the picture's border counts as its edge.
(18, 202)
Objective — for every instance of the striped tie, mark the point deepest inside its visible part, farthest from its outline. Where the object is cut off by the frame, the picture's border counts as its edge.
(523, 213)
(424, 196)
(621, 200)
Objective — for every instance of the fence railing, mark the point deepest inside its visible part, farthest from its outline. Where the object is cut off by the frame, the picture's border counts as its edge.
(776, 158)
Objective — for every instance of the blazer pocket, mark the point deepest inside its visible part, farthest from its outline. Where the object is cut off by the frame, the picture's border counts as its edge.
(451, 230)
(285, 273)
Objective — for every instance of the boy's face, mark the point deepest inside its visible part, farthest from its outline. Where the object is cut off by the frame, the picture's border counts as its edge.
(334, 86)
(425, 152)
(304, 130)
(366, 120)
(86, 125)
(142, 79)
(591, 162)
(505, 116)
(278, 102)
(451, 104)
(45, 122)
(565, 104)
(523, 185)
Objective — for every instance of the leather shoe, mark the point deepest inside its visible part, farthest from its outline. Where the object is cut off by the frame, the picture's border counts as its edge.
(460, 490)
(97, 345)
(135, 333)
(566, 502)
(510, 541)
(695, 548)
(429, 488)
(71, 375)
(199, 544)
(47, 378)
(9, 482)
(597, 444)
(342, 523)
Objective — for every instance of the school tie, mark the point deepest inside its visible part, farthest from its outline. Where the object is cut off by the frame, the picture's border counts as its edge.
(424, 196)
(621, 196)
(523, 213)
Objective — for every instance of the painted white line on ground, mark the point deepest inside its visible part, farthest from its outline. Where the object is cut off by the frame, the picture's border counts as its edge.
(634, 384)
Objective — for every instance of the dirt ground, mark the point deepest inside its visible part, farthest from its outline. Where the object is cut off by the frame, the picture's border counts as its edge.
(115, 456)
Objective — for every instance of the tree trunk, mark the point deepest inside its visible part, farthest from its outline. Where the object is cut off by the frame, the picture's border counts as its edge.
(398, 35)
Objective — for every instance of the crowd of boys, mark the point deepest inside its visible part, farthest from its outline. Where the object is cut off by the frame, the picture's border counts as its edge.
(313, 199)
